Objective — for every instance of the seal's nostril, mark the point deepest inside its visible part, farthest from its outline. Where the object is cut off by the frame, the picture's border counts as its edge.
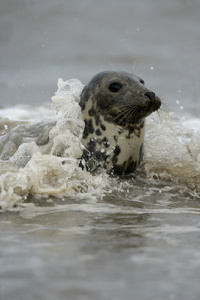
(150, 95)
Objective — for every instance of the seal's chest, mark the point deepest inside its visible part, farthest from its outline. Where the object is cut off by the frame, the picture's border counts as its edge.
(116, 149)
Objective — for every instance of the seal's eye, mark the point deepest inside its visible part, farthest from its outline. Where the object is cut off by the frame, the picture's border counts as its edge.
(142, 81)
(115, 87)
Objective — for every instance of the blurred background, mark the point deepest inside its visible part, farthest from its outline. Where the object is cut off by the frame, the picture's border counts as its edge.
(42, 40)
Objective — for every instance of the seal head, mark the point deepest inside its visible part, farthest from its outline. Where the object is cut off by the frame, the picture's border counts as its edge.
(114, 106)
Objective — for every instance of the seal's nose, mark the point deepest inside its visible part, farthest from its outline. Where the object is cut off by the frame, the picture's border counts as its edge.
(154, 102)
(150, 95)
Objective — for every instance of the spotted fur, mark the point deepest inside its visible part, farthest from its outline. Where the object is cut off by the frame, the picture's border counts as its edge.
(114, 106)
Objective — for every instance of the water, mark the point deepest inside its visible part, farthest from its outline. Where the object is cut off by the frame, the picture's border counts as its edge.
(67, 234)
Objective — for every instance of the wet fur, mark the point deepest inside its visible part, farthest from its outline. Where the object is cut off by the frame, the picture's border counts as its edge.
(115, 121)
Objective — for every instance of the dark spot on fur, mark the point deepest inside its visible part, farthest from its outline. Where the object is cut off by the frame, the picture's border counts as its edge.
(134, 129)
(142, 125)
(105, 142)
(117, 150)
(88, 128)
(94, 159)
(97, 119)
(130, 167)
(98, 155)
(116, 169)
(131, 130)
(83, 106)
(91, 111)
(101, 155)
(99, 141)
(103, 127)
(91, 145)
(98, 132)
(114, 159)
(115, 138)
(127, 167)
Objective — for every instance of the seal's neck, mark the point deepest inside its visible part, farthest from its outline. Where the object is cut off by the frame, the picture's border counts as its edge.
(113, 147)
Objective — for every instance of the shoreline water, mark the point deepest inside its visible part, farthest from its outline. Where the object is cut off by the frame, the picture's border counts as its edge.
(103, 237)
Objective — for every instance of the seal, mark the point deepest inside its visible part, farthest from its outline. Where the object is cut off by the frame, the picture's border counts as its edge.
(114, 106)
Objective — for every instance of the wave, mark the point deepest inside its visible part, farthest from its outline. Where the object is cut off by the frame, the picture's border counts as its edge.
(40, 150)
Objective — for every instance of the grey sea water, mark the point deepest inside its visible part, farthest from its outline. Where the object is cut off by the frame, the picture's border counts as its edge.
(67, 234)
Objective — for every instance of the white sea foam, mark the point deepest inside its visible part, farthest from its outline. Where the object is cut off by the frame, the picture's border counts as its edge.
(43, 158)
(173, 149)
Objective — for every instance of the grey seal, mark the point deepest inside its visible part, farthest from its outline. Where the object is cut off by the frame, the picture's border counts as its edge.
(114, 106)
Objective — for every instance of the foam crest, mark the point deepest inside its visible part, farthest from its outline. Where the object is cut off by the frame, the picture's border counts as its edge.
(173, 150)
(43, 158)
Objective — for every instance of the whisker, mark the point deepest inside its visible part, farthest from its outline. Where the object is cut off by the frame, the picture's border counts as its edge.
(123, 114)
(120, 122)
(118, 116)
(133, 67)
(127, 114)
(112, 66)
(161, 116)
(134, 113)
(123, 109)
(165, 104)
(164, 116)
(165, 107)
(130, 115)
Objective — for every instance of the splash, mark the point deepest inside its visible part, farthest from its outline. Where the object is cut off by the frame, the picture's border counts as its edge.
(40, 153)
(173, 150)
(42, 158)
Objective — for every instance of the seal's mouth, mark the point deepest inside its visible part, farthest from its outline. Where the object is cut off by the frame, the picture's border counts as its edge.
(132, 114)
(144, 109)
(153, 105)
